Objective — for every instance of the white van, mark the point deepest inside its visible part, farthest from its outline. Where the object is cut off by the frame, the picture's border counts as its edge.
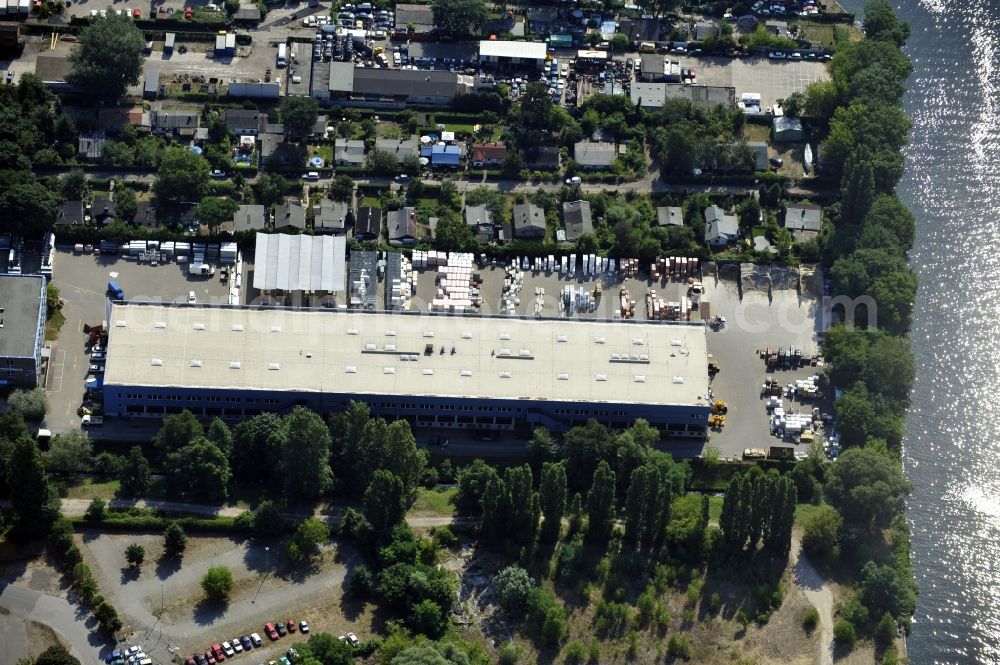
(282, 55)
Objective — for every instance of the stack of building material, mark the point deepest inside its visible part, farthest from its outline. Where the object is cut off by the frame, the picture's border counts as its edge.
(512, 283)
(227, 253)
(627, 306)
(628, 267)
(806, 388)
(577, 299)
(456, 291)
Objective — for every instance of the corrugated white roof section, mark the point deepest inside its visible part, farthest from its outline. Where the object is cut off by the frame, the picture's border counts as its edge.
(300, 263)
(500, 48)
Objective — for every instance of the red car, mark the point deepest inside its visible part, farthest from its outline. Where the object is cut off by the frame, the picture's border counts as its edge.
(187, 11)
(291, 625)
(136, 13)
(270, 630)
(219, 655)
(189, 660)
(210, 657)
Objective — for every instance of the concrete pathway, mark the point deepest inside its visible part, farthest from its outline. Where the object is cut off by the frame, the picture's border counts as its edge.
(68, 620)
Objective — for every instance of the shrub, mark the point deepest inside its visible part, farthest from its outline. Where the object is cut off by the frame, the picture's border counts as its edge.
(843, 633)
(891, 656)
(218, 582)
(575, 652)
(135, 554)
(810, 618)
(445, 537)
(885, 630)
(29, 404)
(174, 540)
(512, 586)
(509, 654)
(362, 584)
(715, 603)
(679, 646)
(96, 510)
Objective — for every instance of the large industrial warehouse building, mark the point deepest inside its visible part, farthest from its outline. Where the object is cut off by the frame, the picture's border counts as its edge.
(435, 371)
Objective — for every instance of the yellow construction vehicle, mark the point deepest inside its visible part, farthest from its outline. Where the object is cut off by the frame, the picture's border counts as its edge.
(718, 406)
(716, 421)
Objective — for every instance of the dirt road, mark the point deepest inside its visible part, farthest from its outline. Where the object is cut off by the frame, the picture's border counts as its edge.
(820, 595)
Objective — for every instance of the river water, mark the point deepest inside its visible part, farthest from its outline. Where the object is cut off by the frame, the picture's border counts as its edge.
(951, 448)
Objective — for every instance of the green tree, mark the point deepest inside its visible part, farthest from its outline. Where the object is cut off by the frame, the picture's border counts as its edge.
(220, 434)
(174, 540)
(866, 485)
(401, 455)
(382, 163)
(56, 655)
(472, 482)
(894, 293)
(268, 519)
(821, 99)
(35, 505)
(199, 470)
(70, 453)
(821, 532)
(794, 104)
(299, 115)
(125, 203)
(428, 618)
(177, 431)
(459, 18)
(601, 503)
(135, 554)
(384, 500)
(108, 56)
(542, 447)
(857, 189)
(308, 536)
(844, 634)
(29, 404)
(512, 586)
(884, 590)
(342, 188)
(454, 234)
(73, 185)
(496, 509)
(523, 507)
(182, 176)
(553, 494)
(214, 210)
(257, 438)
(270, 188)
(306, 472)
(218, 582)
(51, 299)
(97, 510)
(328, 650)
(881, 23)
(135, 478)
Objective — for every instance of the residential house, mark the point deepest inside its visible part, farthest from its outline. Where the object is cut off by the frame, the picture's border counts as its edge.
(655, 68)
(593, 155)
(399, 148)
(414, 19)
(705, 30)
(529, 222)
(543, 158)
(145, 215)
(443, 155)
(242, 122)
(275, 153)
(477, 216)
(368, 225)
(331, 217)
(488, 155)
(787, 129)
(348, 152)
(248, 15)
(640, 29)
(318, 130)
(103, 209)
(576, 219)
(759, 155)
(721, 228)
(401, 227)
(804, 221)
(177, 121)
(91, 147)
(116, 117)
(70, 213)
(249, 218)
(670, 216)
(289, 216)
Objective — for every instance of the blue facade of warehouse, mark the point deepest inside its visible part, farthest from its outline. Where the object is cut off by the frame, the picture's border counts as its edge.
(454, 412)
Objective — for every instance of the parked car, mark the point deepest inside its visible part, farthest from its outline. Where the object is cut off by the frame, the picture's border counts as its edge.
(191, 297)
(280, 627)
(311, 176)
(353, 639)
(188, 12)
(218, 653)
(304, 626)
(270, 631)
(291, 625)
(237, 645)
(218, 173)
(190, 661)
(255, 638)
(402, 178)
(210, 657)
(136, 13)
(227, 649)
(776, 162)
(200, 658)
(247, 644)
(575, 180)
(96, 369)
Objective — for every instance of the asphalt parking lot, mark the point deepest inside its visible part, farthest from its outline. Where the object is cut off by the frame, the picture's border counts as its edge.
(788, 318)
(773, 79)
(82, 280)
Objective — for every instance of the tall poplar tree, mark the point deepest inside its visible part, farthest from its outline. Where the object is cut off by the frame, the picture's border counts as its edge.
(601, 503)
(552, 496)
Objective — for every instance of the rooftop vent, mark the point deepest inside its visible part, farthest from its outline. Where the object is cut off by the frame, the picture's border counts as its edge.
(198, 326)
(562, 338)
(427, 371)
(274, 366)
(466, 335)
(676, 342)
(428, 333)
(503, 352)
(466, 372)
(119, 324)
(350, 369)
(388, 370)
(601, 377)
(390, 333)
(638, 341)
(524, 353)
(371, 347)
(504, 375)
(600, 340)
(234, 364)
(390, 347)
(160, 325)
(352, 331)
(195, 363)
(564, 376)
(156, 362)
(237, 327)
(505, 336)
(640, 378)
(275, 328)
(678, 379)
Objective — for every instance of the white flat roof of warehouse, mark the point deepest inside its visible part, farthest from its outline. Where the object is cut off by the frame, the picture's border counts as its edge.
(285, 262)
(242, 348)
(512, 49)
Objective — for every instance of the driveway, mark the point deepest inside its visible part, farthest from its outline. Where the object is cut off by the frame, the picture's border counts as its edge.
(820, 595)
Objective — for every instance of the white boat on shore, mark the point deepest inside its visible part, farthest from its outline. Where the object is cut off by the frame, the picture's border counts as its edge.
(807, 158)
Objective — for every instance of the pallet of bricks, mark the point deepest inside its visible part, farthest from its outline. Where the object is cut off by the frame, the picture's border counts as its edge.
(627, 310)
(658, 309)
(674, 268)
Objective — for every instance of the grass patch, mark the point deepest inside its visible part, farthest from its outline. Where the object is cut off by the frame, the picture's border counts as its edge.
(804, 510)
(754, 132)
(324, 151)
(435, 501)
(53, 325)
(368, 202)
(88, 488)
